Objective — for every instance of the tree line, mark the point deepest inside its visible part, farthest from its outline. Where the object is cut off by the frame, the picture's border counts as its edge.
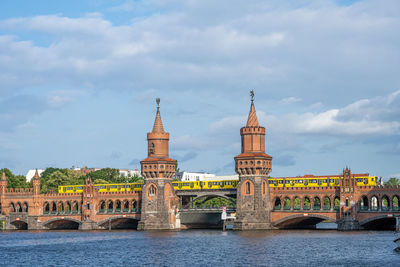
(51, 178)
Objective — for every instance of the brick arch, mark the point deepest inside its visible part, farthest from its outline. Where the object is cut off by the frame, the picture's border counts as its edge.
(12, 207)
(46, 207)
(102, 206)
(300, 204)
(372, 202)
(304, 200)
(105, 222)
(388, 200)
(25, 207)
(125, 205)
(18, 207)
(374, 218)
(275, 202)
(299, 218)
(62, 223)
(68, 207)
(118, 205)
(60, 207)
(110, 205)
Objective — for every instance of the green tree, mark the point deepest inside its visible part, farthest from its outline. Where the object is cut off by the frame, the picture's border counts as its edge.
(100, 181)
(18, 181)
(392, 181)
(54, 180)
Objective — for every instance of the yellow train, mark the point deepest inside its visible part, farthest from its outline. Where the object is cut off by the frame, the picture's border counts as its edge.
(227, 184)
(318, 181)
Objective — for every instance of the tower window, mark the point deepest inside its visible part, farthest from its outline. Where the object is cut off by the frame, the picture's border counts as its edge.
(152, 190)
(248, 188)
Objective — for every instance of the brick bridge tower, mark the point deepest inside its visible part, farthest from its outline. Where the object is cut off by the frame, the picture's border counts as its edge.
(347, 217)
(158, 198)
(253, 166)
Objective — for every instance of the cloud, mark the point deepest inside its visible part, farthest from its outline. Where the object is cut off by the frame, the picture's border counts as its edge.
(186, 157)
(284, 160)
(290, 100)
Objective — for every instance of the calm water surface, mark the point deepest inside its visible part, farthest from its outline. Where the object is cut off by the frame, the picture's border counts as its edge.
(199, 248)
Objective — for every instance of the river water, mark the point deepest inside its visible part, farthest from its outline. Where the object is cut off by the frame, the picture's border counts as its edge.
(198, 248)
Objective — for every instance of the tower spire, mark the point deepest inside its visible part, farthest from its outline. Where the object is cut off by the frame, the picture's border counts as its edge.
(36, 176)
(252, 120)
(3, 177)
(158, 126)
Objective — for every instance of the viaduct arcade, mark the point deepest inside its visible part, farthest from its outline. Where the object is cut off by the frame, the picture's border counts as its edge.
(159, 207)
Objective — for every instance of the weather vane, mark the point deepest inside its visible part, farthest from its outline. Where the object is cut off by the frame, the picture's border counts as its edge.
(158, 103)
(252, 95)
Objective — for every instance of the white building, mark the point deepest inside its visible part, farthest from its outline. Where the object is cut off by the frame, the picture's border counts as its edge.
(203, 176)
(130, 173)
(31, 173)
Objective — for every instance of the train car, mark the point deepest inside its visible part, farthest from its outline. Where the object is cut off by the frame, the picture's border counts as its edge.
(205, 185)
(102, 188)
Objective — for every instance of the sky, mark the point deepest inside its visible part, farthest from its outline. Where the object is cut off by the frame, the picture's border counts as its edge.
(78, 82)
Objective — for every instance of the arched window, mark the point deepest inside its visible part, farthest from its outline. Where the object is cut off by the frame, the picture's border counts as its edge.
(248, 188)
(364, 203)
(25, 207)
(46, 209)
(327, 203)
(264, 187)
(277, 205)
(152, 190)
(286, 204)
(296, 203)
(317, 203)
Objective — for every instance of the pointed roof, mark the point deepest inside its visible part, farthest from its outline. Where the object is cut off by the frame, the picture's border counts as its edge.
(3, 177)
(252, 120)
(158, 126)
(36, 176)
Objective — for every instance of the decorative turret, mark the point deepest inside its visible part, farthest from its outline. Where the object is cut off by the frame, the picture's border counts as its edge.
(3, 183)
(158, 164)
(36, 183)
(253, 160)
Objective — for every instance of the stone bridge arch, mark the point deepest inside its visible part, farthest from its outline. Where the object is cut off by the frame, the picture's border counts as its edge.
(379, 222)
(301, 221)
(19, 224)
(62, 223)
(119, 222)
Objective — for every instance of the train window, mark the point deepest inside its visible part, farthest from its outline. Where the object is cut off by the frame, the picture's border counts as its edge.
(372, 179)
(191, 185)
(69, 188)
(275, 182)
(209, 184)
(365, 180)
(319, 182)
(64, 189)
(324, 180)
(305, 182)
(113, 186)
(270, 182)
(336, 181)
(79, 188)
(281, 181)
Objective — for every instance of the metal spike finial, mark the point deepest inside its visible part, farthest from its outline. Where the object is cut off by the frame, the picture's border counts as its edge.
(252, 95)
(158, 103)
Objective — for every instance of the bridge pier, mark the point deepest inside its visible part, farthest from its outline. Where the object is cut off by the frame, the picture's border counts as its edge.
(349, 224)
